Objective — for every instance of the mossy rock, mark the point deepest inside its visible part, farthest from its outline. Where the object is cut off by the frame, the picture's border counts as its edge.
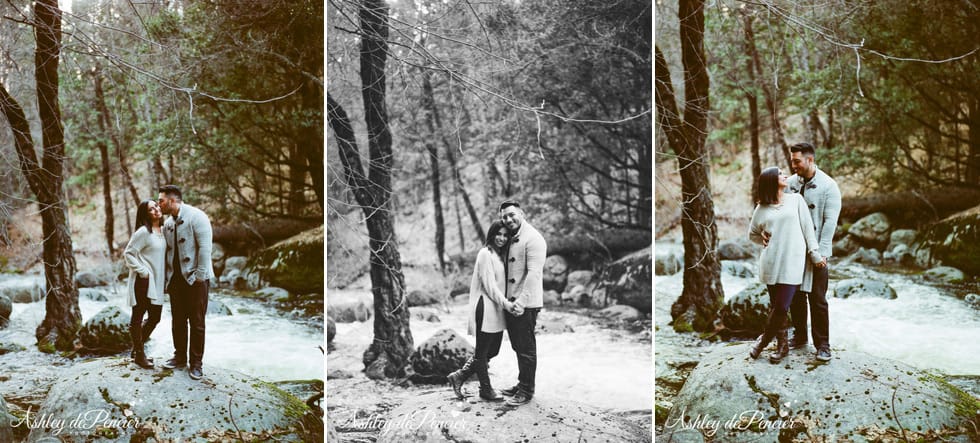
(142, 405)
(295, 264)
(955, 241)
(106, 333)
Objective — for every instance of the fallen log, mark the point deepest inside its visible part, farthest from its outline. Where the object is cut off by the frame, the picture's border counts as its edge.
(612, 244)
(912, 206)
(262, 232)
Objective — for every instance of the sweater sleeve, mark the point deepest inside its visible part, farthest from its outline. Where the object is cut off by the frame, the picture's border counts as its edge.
(831, 211)
(809, 232)
(756, 227)
(487, 281)
(131, 254)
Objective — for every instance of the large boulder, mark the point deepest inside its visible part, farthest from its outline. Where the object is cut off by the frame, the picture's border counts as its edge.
(555, 272)
(106, 333)
(867, 256)
(854, 398)
(424, 314)
(273, 293)
(217, 308)
(845, 246)
(738, 249)
(629, 280)
(745, 314)
(422, 298)
(872, 230)
(120, 402)
(331, 330)
(295, 263)
(6, 307)
(23, 290)
(864, 288)
(668, 263)
(434, 359)
(218, 256)
(580, 277)
(91, 279)
(436, 417)
(955, 241)
(620, 312)
(551, 298)
(945, 274)
(93, 294)
(349, 306)
(737, 269)
(900, 253)
(902, 237)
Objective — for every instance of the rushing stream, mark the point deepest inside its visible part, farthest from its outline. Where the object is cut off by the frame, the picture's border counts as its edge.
(926, 326)
(256, 340)
(605, 368)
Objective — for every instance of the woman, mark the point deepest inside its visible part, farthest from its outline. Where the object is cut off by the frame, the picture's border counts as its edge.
(487, 305)
(145, 259)
(781, 223)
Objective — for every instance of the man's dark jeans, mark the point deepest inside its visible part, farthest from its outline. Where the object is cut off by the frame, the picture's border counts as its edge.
(520, 329)
(819, 315)
(189, 304)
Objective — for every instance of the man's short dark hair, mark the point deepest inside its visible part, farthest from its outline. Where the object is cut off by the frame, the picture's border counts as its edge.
(804, 148)
(171, 190)
(508, 203)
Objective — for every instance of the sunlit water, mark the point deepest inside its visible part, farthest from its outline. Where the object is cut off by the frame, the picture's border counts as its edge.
(256, 339)
(595, 366)
(925, 326)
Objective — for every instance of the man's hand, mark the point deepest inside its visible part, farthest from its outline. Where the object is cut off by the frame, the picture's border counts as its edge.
(517, 309)
(765, 239)
(822, 264)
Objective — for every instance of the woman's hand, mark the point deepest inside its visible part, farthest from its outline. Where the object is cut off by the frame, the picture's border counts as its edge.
(822, 263)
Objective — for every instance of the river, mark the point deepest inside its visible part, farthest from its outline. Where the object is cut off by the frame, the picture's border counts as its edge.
(926, 326)
(256, 339)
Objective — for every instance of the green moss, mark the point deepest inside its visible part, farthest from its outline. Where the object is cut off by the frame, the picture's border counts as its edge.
(46, 347)
(660, 414)
(292, 406)
(965, 405)
(682, 326)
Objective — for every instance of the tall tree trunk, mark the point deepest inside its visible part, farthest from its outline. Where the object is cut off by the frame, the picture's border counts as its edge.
(429, 105)
(772, 105)
(387, 356)
(312, 148)
(297, 180)
(753, 99)
(973, 160)
(109, 131)
(459, 224)
(697, 307)
(62, 317)
(461, 191)
(106, 172)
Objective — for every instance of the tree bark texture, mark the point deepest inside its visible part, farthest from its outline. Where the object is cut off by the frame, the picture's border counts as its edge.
(772, 103)
(429, 105)
(106, 170)
(62, 318)
(105, 124)
(752, 97)
(388, 354)
(697, 307)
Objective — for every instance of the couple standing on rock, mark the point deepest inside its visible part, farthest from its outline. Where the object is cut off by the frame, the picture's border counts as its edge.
(175, 255)
(795, 219)
(506, 291)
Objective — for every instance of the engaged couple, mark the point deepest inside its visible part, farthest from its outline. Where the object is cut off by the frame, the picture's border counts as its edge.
(172, 257)
(506, 292)
(794, 220)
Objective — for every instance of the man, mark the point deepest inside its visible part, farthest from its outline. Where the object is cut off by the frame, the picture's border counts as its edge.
(188, 276)
(525, 287)
(823, 198)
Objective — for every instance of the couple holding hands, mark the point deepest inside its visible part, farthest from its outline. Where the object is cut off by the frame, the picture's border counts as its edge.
(506, 292)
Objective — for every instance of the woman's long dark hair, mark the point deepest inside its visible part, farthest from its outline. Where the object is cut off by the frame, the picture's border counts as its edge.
(495, 228)
(143, 216)
(769, 186)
